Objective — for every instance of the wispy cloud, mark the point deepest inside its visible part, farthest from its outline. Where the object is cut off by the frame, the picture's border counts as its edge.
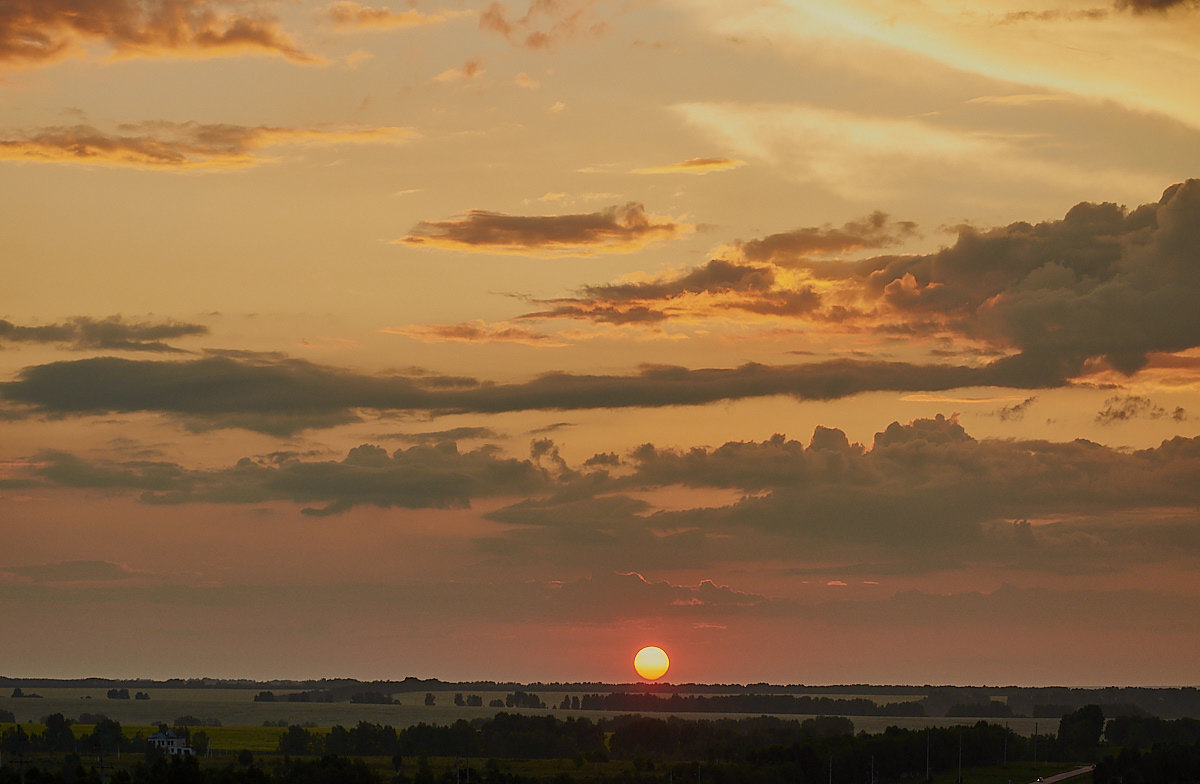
(162, 144)
(545, 24)
(474, 332)
(351, 15)
(694, 166)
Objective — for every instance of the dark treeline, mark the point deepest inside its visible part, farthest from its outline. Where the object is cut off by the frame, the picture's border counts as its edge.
(1164, 763)
(107, 736)
(760, 750)
(747, 703)
(750, 741)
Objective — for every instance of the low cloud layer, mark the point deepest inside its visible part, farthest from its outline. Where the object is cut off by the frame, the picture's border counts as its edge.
(617, 229)
(922, 497)
(421, 477)
(39, 31)
(170, 145)
(112, 333)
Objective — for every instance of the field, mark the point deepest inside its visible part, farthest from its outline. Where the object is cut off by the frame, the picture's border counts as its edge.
(236, 709)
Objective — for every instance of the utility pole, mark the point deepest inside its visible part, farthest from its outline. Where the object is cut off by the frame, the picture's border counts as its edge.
(1035, 734)
(960, 755)
(927, 776)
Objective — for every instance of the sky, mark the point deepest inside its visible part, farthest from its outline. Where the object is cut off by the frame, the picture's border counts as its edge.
(814, 341)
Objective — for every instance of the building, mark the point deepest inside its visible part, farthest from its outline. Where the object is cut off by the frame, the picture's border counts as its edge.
(170, 743)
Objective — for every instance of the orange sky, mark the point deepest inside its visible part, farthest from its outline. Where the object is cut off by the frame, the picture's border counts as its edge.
(815, 342)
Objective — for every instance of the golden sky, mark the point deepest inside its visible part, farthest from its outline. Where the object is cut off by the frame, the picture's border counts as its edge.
(813, 341)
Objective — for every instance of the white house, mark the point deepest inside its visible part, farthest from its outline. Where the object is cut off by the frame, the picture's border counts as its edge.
(170, 743)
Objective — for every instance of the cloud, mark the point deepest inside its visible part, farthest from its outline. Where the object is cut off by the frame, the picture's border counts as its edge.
(718, 286)
(281, 395)
(357, 16)
(1121, 408)
(112, 333)
(1015, 411)
(754, 282)
(617, 229)
(421, 477)
(33, 32)
(1148, 6)
(694, 166)
(925, 496)
(1103, 282)
(67, 572)
(474, 332)
(876, 230)
(469, 70)
(169, 145)
(545, 24)
(438, 436)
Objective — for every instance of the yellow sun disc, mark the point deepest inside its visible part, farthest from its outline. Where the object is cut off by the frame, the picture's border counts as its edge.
(651, 662)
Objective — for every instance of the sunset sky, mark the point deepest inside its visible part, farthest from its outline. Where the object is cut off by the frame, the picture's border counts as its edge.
(814, 341)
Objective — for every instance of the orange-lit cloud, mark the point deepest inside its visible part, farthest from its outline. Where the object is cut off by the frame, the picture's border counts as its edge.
(170, 145)
(357, 16)
(617, 229)
(756, 283)
(694, 166)
(545, 24)
(39, 31)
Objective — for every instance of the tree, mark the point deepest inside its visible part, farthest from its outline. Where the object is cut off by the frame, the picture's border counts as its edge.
(1079, 732)
(430, 699)
(459, 701)
(58, 735)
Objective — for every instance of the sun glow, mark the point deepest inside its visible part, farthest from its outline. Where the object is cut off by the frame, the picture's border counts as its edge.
(651, 663)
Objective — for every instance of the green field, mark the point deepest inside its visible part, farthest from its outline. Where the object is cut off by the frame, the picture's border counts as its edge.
(236, 708)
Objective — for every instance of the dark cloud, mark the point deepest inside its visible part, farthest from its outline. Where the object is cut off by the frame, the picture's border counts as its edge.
(617, 229)
(925, 496)
(877, 230)
(1103, 282)
(112, 333)
(160, 144)
(1149, 6)
(750, 283)
(1015, 411)
(419, 477)
(438, 436)
(40, 31)
(1121, 408)
(279, 395)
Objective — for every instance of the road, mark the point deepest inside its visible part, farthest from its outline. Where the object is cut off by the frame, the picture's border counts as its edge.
(1070, 774)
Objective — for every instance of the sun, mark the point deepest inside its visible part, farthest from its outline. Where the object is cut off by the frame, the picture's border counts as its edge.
(651, 662)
